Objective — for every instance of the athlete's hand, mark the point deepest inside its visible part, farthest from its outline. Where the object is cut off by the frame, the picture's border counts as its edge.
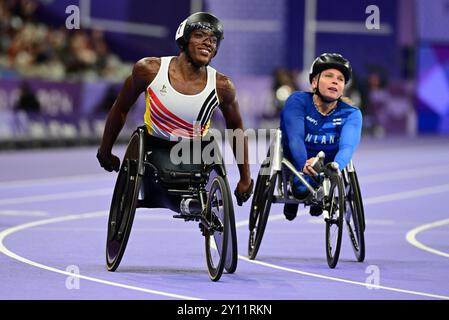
(243, 191)
(332, 169)
(308, 167)
(108, 161)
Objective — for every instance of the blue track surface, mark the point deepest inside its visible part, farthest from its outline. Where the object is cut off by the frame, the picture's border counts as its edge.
(53, 217)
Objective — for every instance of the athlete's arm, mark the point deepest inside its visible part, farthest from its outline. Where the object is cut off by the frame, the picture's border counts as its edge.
(142, 74)
(231, 113)
(349, 139)
(293, 115)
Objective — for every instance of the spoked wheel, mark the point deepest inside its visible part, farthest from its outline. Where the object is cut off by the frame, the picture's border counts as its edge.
(217, 238)
(335, 205)
(354, 216)
(260, 210)
(123, 205)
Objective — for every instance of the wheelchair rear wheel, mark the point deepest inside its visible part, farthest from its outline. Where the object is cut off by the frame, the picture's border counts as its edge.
(218, 252)
(232, 253)
(334, 222)
(260, 210)
(123, 205)
(354, 216)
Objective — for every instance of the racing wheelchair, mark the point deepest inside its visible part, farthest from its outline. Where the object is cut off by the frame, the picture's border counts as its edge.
(337, 193)
(195, 192)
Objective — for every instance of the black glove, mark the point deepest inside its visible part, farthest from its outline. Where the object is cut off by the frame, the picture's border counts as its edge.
(243, 197)
(109, 163)
(331, 169)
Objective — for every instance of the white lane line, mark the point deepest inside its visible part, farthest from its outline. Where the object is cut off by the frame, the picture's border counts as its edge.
(6, 251)
(315, 275)
(374, 200)
(320, 276)
(407, 194)
(107, 192)
(366, 179)
(55, 180)
(403, 175)
(22, 213)
(58, 196)
(411, 237)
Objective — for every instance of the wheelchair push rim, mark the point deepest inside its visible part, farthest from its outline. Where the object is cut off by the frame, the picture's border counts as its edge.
(123, 206)
(334, 223)
(216, 238)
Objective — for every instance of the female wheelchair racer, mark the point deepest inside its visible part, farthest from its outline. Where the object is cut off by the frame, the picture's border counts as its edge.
(336, 193)
(311, 123)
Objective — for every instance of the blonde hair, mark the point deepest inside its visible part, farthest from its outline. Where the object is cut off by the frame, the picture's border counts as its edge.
(347, 100)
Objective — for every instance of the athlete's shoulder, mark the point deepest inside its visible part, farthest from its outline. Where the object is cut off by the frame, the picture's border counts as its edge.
(225, 88)
(147, 65)
(347, 103)
(224, 81)
(299, 98)
(350, 111)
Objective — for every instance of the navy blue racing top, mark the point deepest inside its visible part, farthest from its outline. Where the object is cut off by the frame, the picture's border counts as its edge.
(305, 131)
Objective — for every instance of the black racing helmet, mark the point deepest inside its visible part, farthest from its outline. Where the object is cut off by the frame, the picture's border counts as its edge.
(199, 20)
(331, 61)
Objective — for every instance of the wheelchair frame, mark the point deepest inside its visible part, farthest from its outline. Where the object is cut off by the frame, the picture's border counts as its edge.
(276, 167)
(197, 186)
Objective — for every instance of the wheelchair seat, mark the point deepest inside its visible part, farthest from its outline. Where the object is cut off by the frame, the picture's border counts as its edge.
(169, 175)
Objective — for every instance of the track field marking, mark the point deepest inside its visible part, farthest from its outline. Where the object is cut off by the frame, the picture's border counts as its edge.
(6, 251)
(411, 237)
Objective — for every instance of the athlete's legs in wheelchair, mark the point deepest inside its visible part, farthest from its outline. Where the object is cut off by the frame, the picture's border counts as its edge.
(302, 193)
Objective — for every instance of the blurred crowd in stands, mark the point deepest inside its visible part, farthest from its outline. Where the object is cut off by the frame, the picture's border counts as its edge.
(31, 49)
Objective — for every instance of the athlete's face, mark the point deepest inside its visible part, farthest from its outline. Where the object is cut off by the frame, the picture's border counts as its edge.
(331, 83)
(202, 46)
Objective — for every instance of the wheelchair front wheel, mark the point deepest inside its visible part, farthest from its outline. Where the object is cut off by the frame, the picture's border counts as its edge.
(260, 210)
(334, 222)
(123, 205)
(217, 237)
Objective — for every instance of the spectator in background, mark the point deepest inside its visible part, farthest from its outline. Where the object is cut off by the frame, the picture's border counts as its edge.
(376, 101)
(33, 49)
(108, 100)
(27, 101)
(283, 85)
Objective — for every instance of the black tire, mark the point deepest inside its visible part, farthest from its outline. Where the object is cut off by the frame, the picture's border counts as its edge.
(362, 209)
(334, 224)
(259, 212)
(123, 205)
(232, 252)
(217, 214)
(354, 216)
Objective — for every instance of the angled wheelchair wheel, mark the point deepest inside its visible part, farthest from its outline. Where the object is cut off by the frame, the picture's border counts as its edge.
(232, 252)
(335, 205)
(354, 215)
(123, 205)
(217, 237)
(359, 193)
(260, 210)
